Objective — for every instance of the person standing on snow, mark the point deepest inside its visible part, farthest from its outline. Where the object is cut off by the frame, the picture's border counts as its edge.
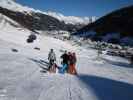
(51, 58)
(65, 59)
(72, 63)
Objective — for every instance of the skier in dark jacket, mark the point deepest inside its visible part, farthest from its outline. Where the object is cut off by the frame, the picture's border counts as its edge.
(65, 59)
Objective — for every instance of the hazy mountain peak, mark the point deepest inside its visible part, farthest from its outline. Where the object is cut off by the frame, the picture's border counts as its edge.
(71, 19)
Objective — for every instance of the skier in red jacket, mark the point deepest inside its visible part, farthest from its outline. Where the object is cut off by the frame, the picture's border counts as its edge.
(72, 63)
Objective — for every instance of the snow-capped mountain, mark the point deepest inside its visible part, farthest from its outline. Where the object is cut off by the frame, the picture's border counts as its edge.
(72, 19)
(35, 20)
(10, 4)
(115, 27)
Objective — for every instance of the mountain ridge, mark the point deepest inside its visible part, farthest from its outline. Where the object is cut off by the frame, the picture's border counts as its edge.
(118, 22)
(14, 6)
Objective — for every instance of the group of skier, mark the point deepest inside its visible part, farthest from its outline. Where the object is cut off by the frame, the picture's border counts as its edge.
(68, 62)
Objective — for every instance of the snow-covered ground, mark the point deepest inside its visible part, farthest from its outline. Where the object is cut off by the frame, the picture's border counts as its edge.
(108, 78)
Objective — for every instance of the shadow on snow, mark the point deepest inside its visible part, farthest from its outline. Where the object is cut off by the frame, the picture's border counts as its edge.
(107, 89)
(118, 63)
(41, 63)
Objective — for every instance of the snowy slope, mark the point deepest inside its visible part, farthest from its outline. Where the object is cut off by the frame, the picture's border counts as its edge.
(109, 78)
(11, 31)
(10, 4)
(5, 20)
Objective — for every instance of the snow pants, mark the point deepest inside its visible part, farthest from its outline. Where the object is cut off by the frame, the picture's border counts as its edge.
(51, 62)
(63, 68)
(72, 69)
(53, 68)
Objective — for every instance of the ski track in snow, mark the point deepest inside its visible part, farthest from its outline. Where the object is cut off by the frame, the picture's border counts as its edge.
(21, 79)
